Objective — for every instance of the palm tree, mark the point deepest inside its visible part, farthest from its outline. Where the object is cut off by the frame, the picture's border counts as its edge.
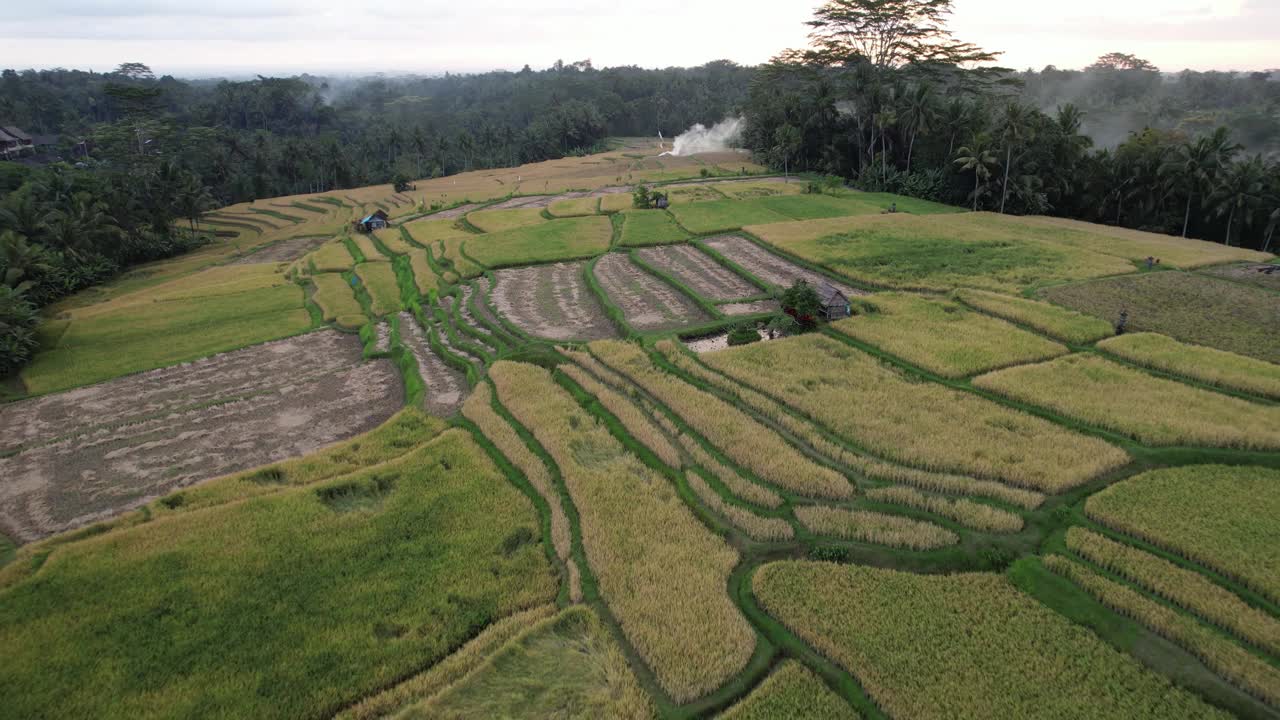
(977, 158)
(1239, 192)
(21, 214)
(919, 111)
(19, 258)
(1195, 165)
(193, 200)
(1015, 125)
(83, 226)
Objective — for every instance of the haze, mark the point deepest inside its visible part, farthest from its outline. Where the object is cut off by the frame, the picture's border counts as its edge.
(324, 36)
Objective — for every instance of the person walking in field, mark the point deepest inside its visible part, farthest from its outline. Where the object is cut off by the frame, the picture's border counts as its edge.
(1123, 322)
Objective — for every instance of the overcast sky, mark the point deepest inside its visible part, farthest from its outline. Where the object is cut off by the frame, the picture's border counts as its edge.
(187, 38)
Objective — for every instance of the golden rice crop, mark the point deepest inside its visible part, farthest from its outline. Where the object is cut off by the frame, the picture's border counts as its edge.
(966, 512)
(1217, 652)
(616, 202)
(368, 249)
(661, 572)
(875, 527)
(380, 280)
(943, 336)
(428, 230)
(737, 484)
(478, 410)
(393, 241)
(922, 424)
(423, 276)
(637, 424)
(964, 645)
(755, 526)
(740, 437)
(1186, 588)
(449, 670)
(1220, 516)
(498, 220)
(1152, 410)
(813, 436)
(791, 691)
(335, 297)
(450, 253)
(1206, 364)
(1056, 322)
(332, 256)
(575, 207)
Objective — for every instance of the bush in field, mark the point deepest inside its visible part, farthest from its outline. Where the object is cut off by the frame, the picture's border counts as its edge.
(743, 334)
(800, 301)
(18, 321)
(641, 198)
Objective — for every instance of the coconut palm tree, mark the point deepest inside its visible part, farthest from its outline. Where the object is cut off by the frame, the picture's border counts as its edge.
(1239, 193)
(977, 158)
(1194, 167)
(919, 112)
(19, 259)
(1015, 127)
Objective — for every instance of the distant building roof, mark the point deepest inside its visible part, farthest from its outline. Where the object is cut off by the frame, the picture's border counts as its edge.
(6, 137)
(828, 294)
(15, 132)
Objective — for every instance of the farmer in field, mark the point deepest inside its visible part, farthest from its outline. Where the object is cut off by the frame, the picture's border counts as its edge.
(1123, 322)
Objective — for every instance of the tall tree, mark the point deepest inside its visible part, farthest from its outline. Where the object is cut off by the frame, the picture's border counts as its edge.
(977, 158)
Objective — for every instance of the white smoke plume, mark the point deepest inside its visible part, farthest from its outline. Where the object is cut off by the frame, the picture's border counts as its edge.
(701, 139)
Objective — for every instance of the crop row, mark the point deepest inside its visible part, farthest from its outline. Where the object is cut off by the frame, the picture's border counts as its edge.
(966, 512)
(661, 572)
(755, 526)
(875, 527)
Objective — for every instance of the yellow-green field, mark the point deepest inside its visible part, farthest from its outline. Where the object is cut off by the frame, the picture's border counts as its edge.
(492, 221)
(943, 336)
(1207, 365)
(546, 242)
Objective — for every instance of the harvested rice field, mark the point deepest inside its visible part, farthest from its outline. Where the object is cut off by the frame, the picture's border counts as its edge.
(769, 267)
(446, 386)
(698, 271)
(646, 302)
(551, 301)
(146, 435)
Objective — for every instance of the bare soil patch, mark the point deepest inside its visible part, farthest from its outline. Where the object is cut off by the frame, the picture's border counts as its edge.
(284, 251)
(452, 213)
(751, 308)
(532, 201)
(712, 343)
(647, 302)
(551, 301)
(446, 387)
(92, 453)
(1264, 276)
(771, 268)
(446, 302)
(469, 319)
(700, 272)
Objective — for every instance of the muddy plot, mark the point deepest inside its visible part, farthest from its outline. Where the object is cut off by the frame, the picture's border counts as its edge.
(480, 307)
(240, 373)
(647, 302)
(751, 308)
(551, 301)
(771, 268)
(533, 201)
(442, 327)
(699, 271)
(101, 470)
(283, 251)
(446, 387)
(1265, 276)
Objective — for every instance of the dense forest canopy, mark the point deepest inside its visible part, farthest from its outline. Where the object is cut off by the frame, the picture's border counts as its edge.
(884, 97)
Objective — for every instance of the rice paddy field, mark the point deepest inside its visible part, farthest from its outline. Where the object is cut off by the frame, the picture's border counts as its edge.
(500, 459)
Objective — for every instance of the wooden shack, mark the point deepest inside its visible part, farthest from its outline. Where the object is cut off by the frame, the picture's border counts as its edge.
(834, 303)
(377, 221)
(14, 142)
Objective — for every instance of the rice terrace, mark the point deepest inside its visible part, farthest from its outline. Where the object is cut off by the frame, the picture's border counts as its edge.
(886, 396)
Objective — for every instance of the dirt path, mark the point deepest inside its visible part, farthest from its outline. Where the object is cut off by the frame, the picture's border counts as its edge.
(647, 302)
(446, 387)
(551, 301)
(145, 436)
(771, 268)
(699, 271)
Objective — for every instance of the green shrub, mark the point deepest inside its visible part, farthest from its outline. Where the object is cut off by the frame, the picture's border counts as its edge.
(18, 321)
(743, 334)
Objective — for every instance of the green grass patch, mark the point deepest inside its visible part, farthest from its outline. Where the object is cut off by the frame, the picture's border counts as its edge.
(394, 588)
(548, 241)
(723, 215)
(942, 336)
(380, 280)
(575, 207)
(650, 227)
(1190, 307)
(937, 252)
(149, 329)
(491, 221)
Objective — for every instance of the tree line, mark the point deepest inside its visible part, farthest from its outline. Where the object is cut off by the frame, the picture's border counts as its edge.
(885, 95)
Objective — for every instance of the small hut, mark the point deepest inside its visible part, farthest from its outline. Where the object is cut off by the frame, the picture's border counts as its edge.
(834, 303)
(376, 221)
